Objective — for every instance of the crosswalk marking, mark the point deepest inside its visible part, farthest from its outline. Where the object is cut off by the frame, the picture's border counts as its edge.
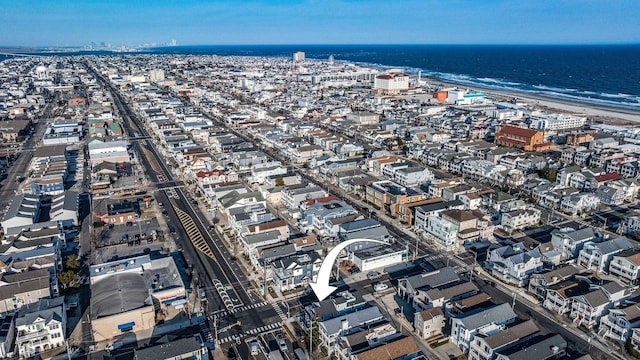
(279, 311)
(240, 309)
(252, 332)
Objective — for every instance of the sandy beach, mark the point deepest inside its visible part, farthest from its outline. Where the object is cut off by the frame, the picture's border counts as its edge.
(607, 114)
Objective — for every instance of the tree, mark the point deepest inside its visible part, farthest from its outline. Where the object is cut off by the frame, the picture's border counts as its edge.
(71, 262)
(280, 181)
(68, 279)
(548, 173)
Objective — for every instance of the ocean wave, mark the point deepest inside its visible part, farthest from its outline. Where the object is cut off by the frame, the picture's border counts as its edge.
(590, 97)
(498, 81)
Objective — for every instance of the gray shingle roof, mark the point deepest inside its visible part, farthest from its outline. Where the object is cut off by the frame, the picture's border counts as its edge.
(538, 348)
(433, 279)
(169, 350)
(497, 314)
(367, 315)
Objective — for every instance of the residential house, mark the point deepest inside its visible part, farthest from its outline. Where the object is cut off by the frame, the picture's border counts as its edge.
(626, 266)
(519, 219)
(398, 348)
(359, 343)
(23, 211)
(439, 297)
(619, 323)
(569, 241)
(579, 204)
(514, 264)
(486, 344)
(332, 328)
(559, 296)
(465, 221)
(40, 326)
(610, 196)
(429, 323)
(587, 309)
(295, 271)
(540, 282)
(18, 289)
(411, 287)
(597, 256)
(293, 196)
(464, 328)
(547, 347)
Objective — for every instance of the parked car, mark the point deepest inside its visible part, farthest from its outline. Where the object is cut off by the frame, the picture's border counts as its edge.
(380, 287)
(114, 345)
(373, 275)
(281, 343)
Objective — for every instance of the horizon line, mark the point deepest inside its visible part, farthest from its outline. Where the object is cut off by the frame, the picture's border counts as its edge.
(621, 43)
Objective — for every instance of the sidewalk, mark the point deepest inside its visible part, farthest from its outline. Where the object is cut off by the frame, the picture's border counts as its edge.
(443, 352)
(530, 301)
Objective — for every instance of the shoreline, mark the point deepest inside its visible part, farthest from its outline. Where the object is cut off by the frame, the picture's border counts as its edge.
(608, 114)
(618, 115)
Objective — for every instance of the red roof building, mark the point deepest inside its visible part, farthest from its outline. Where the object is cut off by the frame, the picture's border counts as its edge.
(521, 138)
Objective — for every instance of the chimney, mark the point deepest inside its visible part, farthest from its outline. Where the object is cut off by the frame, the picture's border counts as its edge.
(344, 325)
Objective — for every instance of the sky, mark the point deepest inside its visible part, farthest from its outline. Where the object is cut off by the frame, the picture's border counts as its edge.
(228, 22)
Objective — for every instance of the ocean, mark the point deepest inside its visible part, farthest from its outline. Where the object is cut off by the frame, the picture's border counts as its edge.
(598, 74)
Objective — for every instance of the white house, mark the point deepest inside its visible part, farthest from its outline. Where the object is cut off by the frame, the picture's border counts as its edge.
(579, 203)
(597, 256)
(40, 326)
(626, 266)
(464, 328)
(486, 344)
(443, 232)
(569, 241)
(587, 309)
(513, 264)
(617, 325)
(429, 323)
(519, 219)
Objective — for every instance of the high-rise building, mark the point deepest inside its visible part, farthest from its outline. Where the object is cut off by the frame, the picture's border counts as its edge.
(298, 56)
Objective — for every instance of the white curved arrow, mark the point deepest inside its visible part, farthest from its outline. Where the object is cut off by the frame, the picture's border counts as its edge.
(321, 287)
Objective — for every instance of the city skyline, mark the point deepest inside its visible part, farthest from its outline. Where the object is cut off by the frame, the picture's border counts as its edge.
(223, 22)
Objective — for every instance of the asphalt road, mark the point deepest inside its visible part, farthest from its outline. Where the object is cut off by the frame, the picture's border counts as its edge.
(523, 310)
(205, 268)
(25, 154)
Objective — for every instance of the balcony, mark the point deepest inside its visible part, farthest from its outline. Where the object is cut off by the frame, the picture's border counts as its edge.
(24, 336)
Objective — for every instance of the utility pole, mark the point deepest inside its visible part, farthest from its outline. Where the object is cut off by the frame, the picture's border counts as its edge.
(264, 284)
(415, 253)
(513, 304)
(311, 339)
(215, 328)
